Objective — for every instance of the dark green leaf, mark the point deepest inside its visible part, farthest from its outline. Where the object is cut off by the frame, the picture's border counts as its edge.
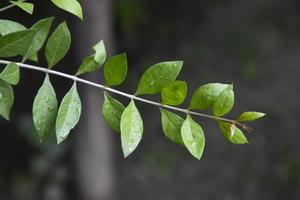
(224, 102)
(131, 129)
(158, 76)
(205, 96)
(68, 114)
(112, 112)
(58, 44)
(174, 93)
(250, 116)
(6, 99)
(93, 62)
(193, 137)
(16, 43)
(11, 74)
(8, 26)
(115, 70)
(71, 6)
(171, 125)
(44, 109)
(232, 133)
(43, 26)
(27, 7)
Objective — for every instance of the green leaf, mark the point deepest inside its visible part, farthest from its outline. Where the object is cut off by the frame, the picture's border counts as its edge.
(174, 93)
(8, 26)
(16, 43)
(250, 116)
(58, 44)
(6, 99)
(112, 112)
(11, 74)
(71, 6)
(43, 26)
(224, 102)
(205, 96)
(171, 125)
(232, 133)
(68, 114)
(115, 70)
(44, 108)
(131, 129)
(100, 52)
(158, 76)
(93, 62)
(27, 7)
(193, 137)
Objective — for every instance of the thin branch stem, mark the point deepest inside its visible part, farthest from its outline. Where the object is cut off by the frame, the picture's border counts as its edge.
(8, 7)
(130, 96)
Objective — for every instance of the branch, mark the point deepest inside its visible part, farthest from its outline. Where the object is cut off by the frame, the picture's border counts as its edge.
(102, 87)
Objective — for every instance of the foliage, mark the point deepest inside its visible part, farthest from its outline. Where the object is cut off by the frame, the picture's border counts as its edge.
(161, 78)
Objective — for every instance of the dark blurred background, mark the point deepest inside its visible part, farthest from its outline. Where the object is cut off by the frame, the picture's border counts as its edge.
(254, 44)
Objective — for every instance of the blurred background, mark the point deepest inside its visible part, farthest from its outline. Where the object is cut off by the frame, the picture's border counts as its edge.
(254, 44)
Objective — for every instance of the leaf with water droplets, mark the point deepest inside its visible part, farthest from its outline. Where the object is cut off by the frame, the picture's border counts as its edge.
(16, 43)
(224, 102)
(93, 62)
(115, 70)
(8, 26)
(44, 108)
(206, 95)
(68, 114)
(250, 116)
(174, 93)
(171, 125)
(232, 133)
(27, 7)
(112, 111)
(6, 99)
(11, 74)
(58, 44)
(43, 27)
(193, 137)
(158, 76)
(131, 129)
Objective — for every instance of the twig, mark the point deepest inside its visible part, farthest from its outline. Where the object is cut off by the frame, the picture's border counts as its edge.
(130, 96)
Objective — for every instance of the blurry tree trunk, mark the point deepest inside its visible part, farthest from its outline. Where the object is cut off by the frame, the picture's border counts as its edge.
(94, 148)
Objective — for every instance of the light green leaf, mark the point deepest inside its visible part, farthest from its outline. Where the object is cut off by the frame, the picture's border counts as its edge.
(93, 62)
(171, 125)
(16, 43)
(68, 114)
(232, 133)
(8, 26)
(224, 102)
(100, 52)
(58, 44)
(112, 112)
(174, 93)
(6, 99)
(11, 74)
(43, 26)
(158, 76)
(44, 108)
(27, 7)
(71, 6)
(115, 70)
(131, 129)
(250, 116)
(193, 137)
(205, 96)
